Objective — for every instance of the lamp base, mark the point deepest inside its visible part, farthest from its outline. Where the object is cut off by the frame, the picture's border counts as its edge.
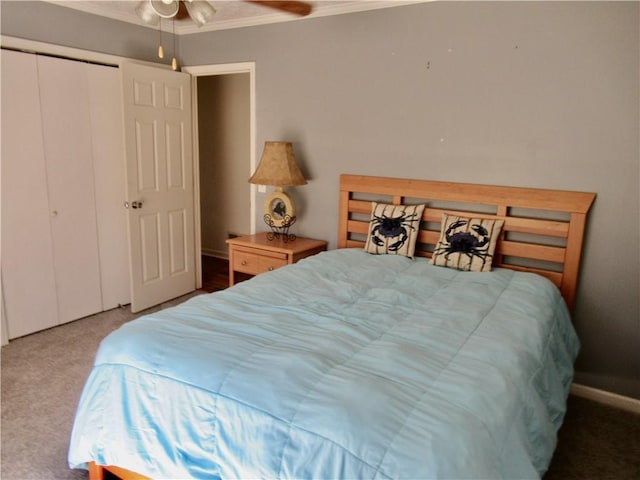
(280, 229)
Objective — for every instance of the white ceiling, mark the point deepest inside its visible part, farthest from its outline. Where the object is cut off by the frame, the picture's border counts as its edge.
(229, 13)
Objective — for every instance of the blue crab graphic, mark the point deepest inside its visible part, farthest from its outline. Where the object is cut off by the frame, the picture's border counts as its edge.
(392, 227)
(465, 242)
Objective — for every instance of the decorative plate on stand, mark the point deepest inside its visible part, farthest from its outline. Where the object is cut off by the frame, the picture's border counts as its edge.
(279, 214)
(279, 206)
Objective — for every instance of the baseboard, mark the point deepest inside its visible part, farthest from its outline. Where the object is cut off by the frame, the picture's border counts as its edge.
(608, 398)
(214, 253)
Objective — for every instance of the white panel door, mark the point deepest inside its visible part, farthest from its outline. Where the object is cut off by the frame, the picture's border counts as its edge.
(66, 123)
(157, 122)
(105, 96)
(28, 278)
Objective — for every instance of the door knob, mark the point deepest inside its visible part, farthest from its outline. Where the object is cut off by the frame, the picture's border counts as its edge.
(136, 204)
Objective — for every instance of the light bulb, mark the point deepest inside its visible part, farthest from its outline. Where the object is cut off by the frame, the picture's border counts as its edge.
(200, 11)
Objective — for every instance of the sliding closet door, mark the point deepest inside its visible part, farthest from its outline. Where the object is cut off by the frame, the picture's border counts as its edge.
(66, 120)
(28, 278)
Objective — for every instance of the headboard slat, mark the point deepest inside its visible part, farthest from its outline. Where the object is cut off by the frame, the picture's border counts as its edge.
(535, 252)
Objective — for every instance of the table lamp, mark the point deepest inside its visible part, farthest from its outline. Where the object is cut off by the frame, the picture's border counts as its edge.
(278, 168)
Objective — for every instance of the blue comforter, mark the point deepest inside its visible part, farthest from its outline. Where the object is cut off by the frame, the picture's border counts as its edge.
(344, 365)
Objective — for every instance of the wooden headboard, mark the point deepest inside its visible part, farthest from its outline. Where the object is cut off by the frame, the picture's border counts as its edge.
(543, 230)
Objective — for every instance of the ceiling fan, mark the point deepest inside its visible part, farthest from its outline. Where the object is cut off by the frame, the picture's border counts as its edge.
(201, 11)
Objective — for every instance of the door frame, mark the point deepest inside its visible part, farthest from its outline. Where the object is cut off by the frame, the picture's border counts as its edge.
(208, 71)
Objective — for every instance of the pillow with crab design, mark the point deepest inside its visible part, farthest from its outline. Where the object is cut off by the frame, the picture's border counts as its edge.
(467, 243)
(393, 229)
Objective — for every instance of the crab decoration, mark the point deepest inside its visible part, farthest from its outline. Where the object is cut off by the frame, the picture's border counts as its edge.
(386, 228)
(465, 242)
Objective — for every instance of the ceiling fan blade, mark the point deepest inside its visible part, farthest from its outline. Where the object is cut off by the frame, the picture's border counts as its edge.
(290, 6)
(182, 12)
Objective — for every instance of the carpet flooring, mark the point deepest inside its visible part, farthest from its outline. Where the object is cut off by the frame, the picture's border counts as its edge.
(596, 442)
(43, 374)
(42, 377)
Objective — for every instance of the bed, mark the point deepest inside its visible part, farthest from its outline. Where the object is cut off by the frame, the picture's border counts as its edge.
(350, 364)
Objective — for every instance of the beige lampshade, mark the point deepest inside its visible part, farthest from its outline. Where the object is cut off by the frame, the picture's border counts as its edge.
(278, 166)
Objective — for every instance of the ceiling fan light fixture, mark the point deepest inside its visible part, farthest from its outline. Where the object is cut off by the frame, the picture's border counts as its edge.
(200, 11)
(147, 14)
(165, 8)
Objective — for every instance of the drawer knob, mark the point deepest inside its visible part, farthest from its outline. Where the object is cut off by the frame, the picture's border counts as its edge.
(270, 268)
(244, 262)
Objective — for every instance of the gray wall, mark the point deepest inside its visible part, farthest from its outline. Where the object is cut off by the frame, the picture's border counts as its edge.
(541, 94)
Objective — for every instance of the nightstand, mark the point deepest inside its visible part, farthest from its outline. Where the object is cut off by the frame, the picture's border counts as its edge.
(254, 254)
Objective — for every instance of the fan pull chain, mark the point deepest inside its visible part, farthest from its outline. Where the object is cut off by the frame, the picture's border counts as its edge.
(160, 49)
(174, 62)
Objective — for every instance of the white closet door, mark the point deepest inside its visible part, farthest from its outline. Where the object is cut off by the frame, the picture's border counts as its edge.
(27, 258)
(105, 95)
(66, 122)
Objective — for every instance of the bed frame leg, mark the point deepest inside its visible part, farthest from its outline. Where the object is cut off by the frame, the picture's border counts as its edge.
(96, 472)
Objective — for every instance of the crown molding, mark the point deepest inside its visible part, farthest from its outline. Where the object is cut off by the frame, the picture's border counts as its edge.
(323, 8)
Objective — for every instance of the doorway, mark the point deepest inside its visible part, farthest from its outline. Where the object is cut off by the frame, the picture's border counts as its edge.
(224, 156)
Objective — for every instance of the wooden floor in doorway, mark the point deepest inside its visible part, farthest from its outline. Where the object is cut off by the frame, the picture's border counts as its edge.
(215, 274)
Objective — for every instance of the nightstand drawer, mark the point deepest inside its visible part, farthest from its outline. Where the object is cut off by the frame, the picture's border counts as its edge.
(255, 261)
(246, 263)
(266, 264)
